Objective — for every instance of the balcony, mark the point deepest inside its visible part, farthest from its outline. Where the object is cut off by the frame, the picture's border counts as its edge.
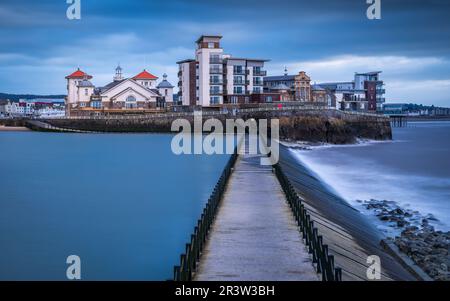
(215, 71)
(215, 91)
(239, 72)
(216, 82)
(240, 82)
(258, 83)
(259, 73)
(180, 73)
(180, 83)
(215, 60)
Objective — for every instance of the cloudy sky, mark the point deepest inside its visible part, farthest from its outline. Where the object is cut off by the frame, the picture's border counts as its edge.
(328, 39)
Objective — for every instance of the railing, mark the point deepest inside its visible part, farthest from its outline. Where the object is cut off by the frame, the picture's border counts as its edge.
(215, 60)
(215, 70)
(257, 83)
(216, 92)
(240, 72)
(323, 261)
(259, 73)
(189, 260)
(265, 108)
(216, 82)
(240, 82)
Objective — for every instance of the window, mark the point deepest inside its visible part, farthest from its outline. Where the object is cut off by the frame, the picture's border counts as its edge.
(145, 83)
(238, 80)
(131, 98)
(256, 89)
(96, 104)
(210, 45)
(86, 92)
(234, 99)
(237, 90)
(165, 92)
(237, 69)
(214, 99)
(268, 98)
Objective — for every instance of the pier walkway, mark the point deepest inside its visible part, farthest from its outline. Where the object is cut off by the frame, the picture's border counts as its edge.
(254, 236)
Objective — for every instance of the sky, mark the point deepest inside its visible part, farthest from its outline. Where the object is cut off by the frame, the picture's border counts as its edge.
(329, 39)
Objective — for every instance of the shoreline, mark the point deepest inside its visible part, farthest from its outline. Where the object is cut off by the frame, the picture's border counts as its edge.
(415, 236)
(4, 128)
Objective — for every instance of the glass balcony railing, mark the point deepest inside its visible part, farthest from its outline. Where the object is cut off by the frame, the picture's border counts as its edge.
(239, 71)
(215, 60)
(216, 82)
(259, 72)
(216, 71)
(216, 92)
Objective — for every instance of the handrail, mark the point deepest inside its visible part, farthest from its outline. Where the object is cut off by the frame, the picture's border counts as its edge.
(323, 261)
(285, 107)
(189, 259)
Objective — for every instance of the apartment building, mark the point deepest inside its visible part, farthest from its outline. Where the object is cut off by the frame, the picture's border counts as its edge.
(214, 78)
(299, 88)
(364, 93)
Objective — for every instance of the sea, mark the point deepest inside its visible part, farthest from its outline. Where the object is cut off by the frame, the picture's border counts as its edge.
(412, 170)
(125, 204)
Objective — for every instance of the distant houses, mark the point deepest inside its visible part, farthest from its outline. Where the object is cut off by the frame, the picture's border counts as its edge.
(39, 108)
(410, 109)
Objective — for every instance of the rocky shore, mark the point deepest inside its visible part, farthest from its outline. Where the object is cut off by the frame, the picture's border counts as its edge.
(417, 238)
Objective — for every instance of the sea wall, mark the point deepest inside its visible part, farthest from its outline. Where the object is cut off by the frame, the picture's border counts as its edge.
(17, 122)
(351, 238)
(333, 130)
(330, 126)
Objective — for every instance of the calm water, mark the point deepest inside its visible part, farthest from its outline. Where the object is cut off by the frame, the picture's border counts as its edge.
(413, 170)
(122, 202)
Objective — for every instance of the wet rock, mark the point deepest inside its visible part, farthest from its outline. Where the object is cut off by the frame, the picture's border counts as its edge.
(402, 223)
(428, 248)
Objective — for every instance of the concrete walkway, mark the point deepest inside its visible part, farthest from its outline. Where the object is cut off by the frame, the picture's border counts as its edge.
(254, 236)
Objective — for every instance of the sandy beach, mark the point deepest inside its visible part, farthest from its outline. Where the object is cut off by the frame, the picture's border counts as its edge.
(12, 128)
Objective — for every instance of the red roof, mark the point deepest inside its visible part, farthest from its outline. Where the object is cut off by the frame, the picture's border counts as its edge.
(145, 75)
(78, 74)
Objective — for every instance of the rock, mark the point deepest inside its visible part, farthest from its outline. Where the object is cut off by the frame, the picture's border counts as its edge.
(402, 223)
(431, 217)
(397, 211)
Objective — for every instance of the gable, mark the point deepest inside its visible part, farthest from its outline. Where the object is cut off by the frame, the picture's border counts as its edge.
(125, 87)
(123, 95)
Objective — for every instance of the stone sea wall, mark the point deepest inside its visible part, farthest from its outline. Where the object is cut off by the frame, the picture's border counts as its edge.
(328, 126)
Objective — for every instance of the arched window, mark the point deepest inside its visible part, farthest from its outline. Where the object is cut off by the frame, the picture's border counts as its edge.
(131, 98)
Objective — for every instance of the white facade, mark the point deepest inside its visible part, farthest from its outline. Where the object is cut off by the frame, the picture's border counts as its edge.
(184, 86)
(140, 91)
(219, 78)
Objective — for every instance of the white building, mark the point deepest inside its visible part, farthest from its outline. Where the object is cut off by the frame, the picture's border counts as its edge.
(215, 78)
(122, 94)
